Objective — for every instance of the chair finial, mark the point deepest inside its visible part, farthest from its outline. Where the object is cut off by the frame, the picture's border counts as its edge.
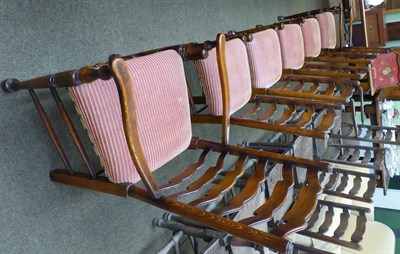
(9, 85)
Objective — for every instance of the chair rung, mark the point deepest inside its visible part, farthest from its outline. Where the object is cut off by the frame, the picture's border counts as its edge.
(81, 180)
(329, 239)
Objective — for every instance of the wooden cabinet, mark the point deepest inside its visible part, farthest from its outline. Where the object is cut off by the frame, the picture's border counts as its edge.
(392, 4)
(376, 29)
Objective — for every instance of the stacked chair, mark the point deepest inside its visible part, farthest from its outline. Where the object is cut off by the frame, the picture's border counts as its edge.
(208, 71)
(263, 51)
(133, 139)
(354, 60)
(138, 111)
(377, 58)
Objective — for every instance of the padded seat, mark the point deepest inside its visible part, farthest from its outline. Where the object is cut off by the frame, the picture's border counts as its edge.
(239, 77)
(267, 69)
(326, 22)
(162, 137)
(312, 37)
(292, 46)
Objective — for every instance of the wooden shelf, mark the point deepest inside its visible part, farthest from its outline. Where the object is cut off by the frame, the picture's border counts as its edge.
(391, 11)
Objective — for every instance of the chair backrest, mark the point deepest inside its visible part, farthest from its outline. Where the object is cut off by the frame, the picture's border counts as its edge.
(238, 77)
(162, 112)
(292, 46)
(327, 26)
(265, 60)
(312, 37)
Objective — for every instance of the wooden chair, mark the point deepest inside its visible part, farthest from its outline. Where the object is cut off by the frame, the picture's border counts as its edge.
(129, 121)
(204, 67)
(326, 231)
(379, 59)
(277, 55)
(137, 115)
(329, 52)
(334, 181)
(227, 87)
(265, 71)
(329, 33)
(299, 42)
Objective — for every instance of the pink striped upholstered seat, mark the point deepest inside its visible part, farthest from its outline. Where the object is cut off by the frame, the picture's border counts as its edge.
(311, 37)
(292, 46)
(238, 77)
(163, 114)
(265, 60)
(327, 26)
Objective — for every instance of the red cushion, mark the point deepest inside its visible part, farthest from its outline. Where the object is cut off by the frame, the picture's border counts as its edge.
(327, 26)
(238, 77)
(311, 37)
(292, 46)
(265, 58)
(162, 112)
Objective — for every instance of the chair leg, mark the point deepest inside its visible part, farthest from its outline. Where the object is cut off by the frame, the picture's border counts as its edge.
(173, 243)
(360, 90)
(354, 115)
(195, 244)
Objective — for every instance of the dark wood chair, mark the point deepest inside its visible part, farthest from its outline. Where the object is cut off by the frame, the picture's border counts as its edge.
(365, 197)
(277, 55)
(296, 43)
(265, 71)
(263, 64)
(136, 112)
(226, 82)
(329, 51)
(330, 32)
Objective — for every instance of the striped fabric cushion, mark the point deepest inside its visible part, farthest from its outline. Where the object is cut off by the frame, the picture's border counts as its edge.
(265, 58)
(312, 37)
(292, 46)
(238, 77)
(163, 115)
(326, 22)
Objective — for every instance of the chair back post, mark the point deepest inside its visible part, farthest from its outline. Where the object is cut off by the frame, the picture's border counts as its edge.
(341, 24)
(126, 94)
(74, 134)
(223, 75)
(61, 79)
(50, 130)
